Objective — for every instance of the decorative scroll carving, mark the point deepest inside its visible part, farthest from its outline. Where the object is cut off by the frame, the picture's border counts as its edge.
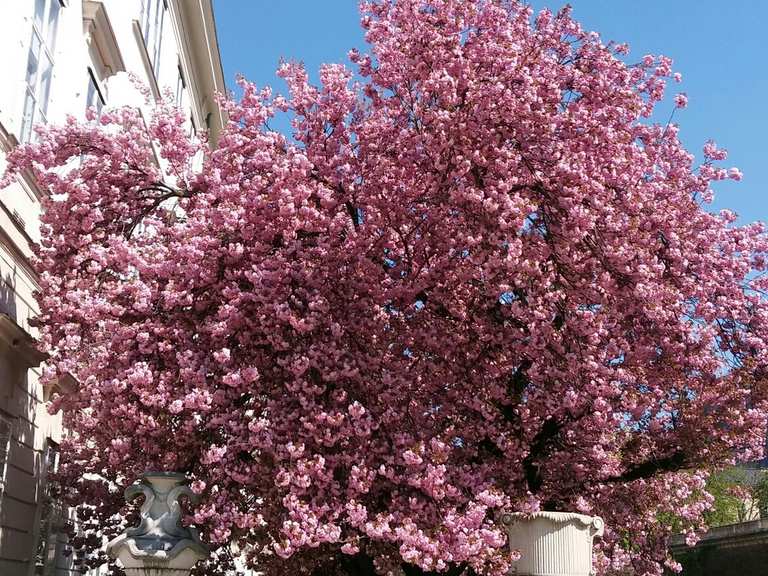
(159, 543)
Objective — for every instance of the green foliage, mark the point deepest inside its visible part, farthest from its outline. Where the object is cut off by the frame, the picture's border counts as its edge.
(760, 492)
(670, 519)
(739, 496)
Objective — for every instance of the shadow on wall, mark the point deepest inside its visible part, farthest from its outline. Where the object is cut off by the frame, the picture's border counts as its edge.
(18, 516)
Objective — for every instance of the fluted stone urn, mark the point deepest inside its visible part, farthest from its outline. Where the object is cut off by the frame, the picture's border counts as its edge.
(159, 545)
(552, 543)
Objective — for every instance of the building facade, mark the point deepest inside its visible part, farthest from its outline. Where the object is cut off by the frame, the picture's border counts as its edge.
(58, 58)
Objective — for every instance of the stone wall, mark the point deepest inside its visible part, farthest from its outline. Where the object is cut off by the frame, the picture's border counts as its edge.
(733, 550)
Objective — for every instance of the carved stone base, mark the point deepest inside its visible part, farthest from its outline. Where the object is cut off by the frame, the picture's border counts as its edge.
(159, 545)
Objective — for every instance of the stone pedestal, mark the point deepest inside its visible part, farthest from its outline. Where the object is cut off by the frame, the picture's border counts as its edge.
(159, 545)
(552, 543)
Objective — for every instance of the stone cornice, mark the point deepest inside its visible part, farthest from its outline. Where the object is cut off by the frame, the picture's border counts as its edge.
(98, 31)
(20, 341)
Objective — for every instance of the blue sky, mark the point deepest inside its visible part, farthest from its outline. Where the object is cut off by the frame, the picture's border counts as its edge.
(720, 48)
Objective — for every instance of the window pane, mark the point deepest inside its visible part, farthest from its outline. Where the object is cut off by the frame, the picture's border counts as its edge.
(33, 61)
(5, 437)
(39, 13)
(52, 457)
(158, 13)
(93, 96)
(146, 20)
(158, 40)
(179, 89)
(5, 446)
(45, 83)
(53, 22)
(90, 98)
(50, 515)
(29, 116)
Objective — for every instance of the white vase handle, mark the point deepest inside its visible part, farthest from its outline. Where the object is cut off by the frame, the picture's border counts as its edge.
(598, 527)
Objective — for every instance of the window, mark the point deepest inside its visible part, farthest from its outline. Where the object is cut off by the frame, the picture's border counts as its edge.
(51, 516)
(6, 430)
(39, 65)
(94, 97)
(181, 85)
(152, 16)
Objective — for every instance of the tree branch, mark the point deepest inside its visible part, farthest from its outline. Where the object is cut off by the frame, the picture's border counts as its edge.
(540, 446)
(671, 463)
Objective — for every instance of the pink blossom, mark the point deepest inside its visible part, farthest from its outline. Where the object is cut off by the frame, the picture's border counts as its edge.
(356, 410)
(712, 152)
(222, 356)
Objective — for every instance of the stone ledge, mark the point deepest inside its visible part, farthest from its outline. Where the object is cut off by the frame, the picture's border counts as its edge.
(731, 536)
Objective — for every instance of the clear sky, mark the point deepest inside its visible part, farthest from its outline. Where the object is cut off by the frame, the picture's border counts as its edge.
(721, 49)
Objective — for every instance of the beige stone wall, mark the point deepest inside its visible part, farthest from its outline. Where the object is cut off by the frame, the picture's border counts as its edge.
(21, 401)
(106, 36)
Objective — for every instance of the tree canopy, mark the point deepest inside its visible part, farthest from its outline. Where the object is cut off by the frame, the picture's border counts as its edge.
(476, 277)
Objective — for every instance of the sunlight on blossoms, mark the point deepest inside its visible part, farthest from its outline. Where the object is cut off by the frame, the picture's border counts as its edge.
(475, 278)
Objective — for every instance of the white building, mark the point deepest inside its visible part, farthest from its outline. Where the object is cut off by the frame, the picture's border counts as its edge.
(58, 57)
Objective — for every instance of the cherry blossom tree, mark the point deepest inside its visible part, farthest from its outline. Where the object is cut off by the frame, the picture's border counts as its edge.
(476, 277)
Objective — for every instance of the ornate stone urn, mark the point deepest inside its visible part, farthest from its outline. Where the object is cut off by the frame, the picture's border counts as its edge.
(159, 545)
(552, 543)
